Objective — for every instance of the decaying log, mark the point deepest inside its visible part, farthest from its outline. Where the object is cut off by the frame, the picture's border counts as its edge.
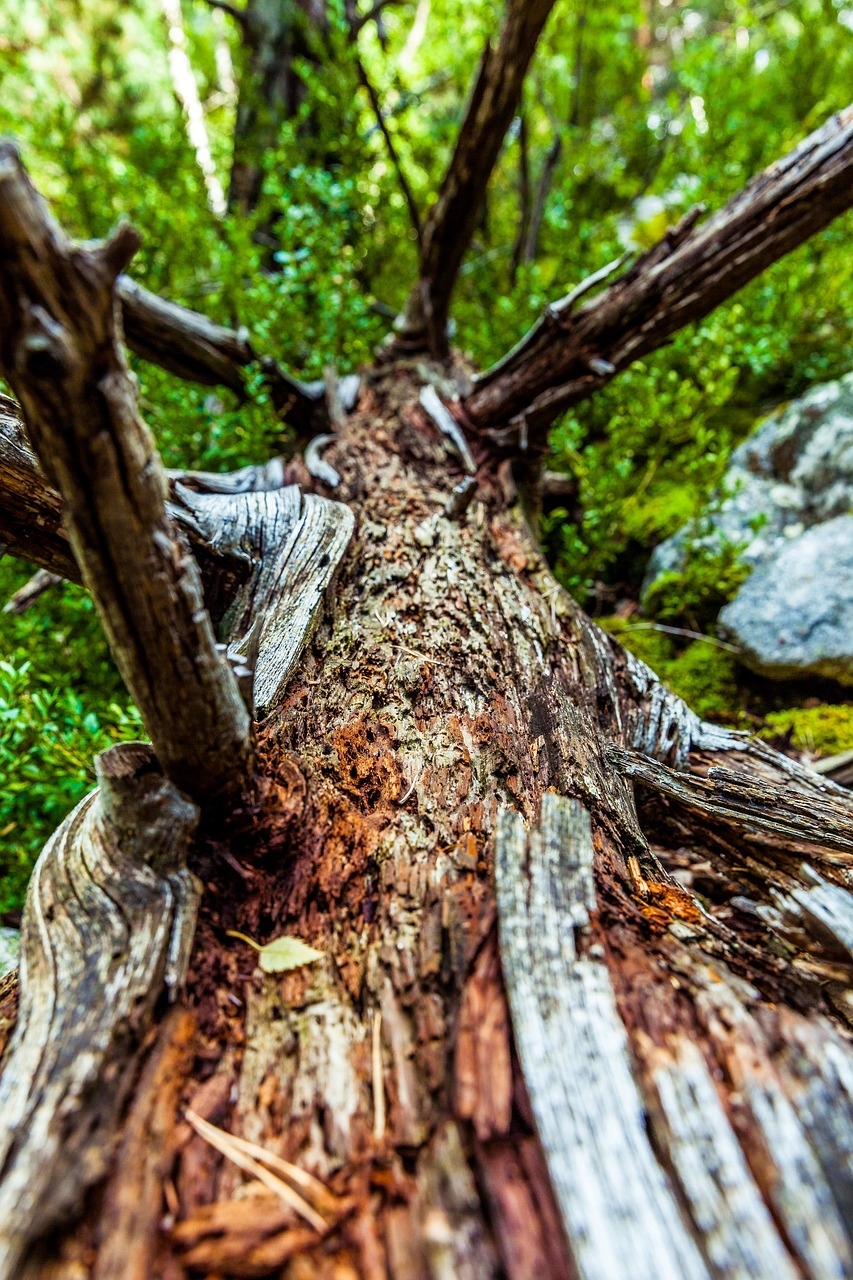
(107, 928)
(570, 353)
(677, 952)
(60, 351)
(452, 220)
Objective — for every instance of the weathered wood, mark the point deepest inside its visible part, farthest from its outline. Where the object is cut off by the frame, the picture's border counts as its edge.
(452, 220)
(33, 590)
(296, 542)
(575, 1055)
(59, 349)
(572, 352)
(107, 927)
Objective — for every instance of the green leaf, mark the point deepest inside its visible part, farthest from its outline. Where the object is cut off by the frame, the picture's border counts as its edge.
(282, 953)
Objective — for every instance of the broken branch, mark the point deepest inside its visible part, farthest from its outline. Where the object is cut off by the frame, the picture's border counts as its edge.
(572, 352)
(60, 350)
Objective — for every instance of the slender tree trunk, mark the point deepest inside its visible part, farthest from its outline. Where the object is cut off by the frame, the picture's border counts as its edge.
(277, 35)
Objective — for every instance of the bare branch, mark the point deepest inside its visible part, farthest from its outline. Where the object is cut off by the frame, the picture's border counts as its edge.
(197, 349)
(570, 353)
(453, 218)
(60, 350)
(33, 590)
(376, 106)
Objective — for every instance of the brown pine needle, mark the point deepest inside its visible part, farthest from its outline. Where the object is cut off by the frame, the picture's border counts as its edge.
(230, 1147)
(378, 1081)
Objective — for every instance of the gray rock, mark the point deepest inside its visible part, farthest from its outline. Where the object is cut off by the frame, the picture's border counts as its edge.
(794, 614)
(786, 503)
(794, 471)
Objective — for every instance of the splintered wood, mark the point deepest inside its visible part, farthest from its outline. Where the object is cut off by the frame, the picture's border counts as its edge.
(576, 1058)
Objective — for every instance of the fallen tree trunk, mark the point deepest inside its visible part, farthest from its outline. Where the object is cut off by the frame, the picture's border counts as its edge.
(675, 942)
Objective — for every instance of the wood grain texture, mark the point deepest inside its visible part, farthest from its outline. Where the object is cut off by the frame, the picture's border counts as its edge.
(620, 1215)
(108, 924)
(294, 543)
(570, 353)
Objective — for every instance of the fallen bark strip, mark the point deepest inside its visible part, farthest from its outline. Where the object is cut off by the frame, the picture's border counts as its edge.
(108, 925)
(575, 1056)
(196, 348)
(296, 542)
(749, 801)
(59, 349)
(572, 352)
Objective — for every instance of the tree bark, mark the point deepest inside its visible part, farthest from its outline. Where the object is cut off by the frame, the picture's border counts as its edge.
(552, 906)
(572, 352)
(453, 218)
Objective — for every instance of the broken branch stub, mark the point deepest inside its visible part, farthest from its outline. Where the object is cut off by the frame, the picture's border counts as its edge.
(573, 351)
(60, 349)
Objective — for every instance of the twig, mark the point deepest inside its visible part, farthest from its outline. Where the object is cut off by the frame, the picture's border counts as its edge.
(378, 1080)
(414, 213)
(682, 631)
(233, 1150)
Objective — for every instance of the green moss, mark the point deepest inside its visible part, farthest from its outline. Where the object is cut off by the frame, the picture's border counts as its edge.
(823, 730)
(694, 595)
(702, 673)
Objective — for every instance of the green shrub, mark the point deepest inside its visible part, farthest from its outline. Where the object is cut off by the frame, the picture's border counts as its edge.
(694, 595)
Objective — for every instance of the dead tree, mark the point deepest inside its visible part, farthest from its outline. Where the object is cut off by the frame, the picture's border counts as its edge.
(583, 1007)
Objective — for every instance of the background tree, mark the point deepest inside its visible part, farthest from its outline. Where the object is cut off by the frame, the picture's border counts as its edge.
(549, 900)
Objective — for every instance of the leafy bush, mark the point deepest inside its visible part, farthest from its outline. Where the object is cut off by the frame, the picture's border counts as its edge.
(47, 744)
(820, 730)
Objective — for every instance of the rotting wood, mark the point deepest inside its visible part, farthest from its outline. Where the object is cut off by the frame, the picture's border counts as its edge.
(454, 678)
(59, 349)
(107, 929)
(571, 353)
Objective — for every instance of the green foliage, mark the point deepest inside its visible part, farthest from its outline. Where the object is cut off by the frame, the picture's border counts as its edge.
(61, 701)
(709, 578)
(821, 730)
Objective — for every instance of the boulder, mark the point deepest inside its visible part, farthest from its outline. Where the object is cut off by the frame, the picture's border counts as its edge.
(794, 614)
(786, 503)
